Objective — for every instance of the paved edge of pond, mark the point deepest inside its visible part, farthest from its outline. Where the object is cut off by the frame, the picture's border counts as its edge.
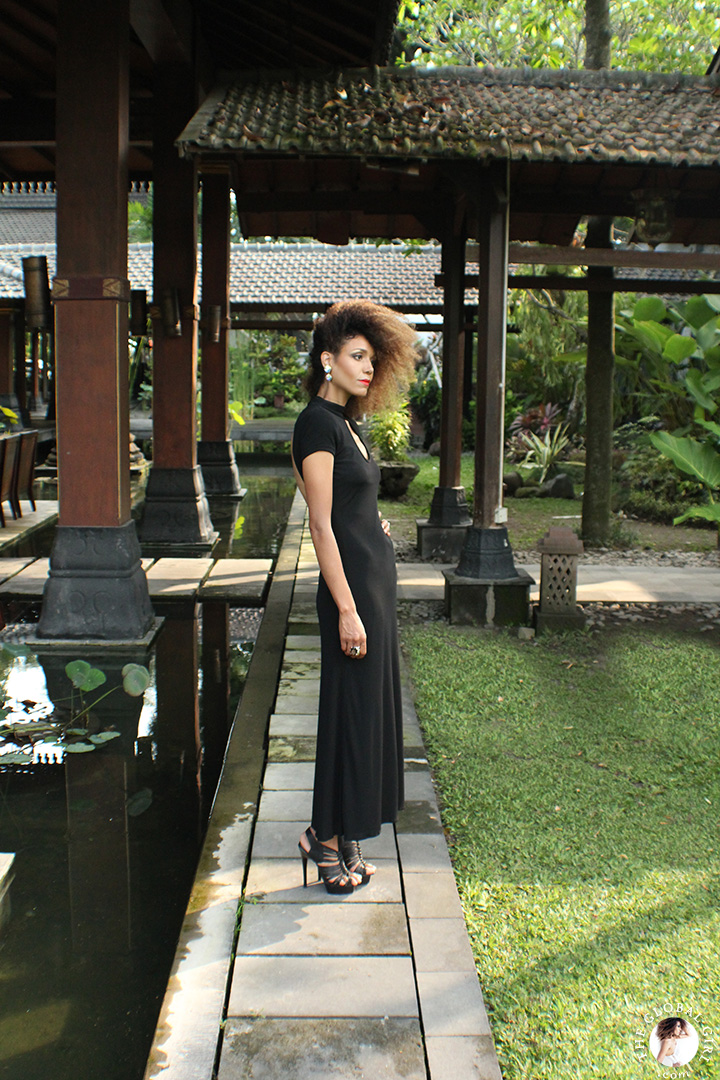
(387, 985)
(192, 1013)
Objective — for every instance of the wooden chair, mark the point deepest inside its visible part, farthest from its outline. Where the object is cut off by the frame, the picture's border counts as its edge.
(25, 472)
(10, 445)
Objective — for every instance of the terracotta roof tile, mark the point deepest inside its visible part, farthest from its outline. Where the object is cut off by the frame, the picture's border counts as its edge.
(466, 113)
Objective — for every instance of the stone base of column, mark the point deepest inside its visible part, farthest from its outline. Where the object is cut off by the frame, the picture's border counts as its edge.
(219, 469)
(487, 554)
(488, 602)
(96, 588)
(442, 534)
(176, 510)
(442, 542)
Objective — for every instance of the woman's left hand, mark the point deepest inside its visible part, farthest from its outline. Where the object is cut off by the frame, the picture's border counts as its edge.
(385, 524)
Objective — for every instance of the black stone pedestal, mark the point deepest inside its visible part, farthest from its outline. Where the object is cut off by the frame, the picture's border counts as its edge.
(487, 589)
(442, 535)
(442, 542)
(489, 601)
(176, 510)
(96, 587)
(219, 469)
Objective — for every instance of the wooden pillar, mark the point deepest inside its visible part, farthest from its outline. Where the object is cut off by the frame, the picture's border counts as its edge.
(487, 588)
(96, 587)
(442, 535)
(215, 451)
(176, 509)
(599, 386)
(20, 384)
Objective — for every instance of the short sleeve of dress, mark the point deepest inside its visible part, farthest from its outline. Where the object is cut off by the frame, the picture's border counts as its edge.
(314, 430)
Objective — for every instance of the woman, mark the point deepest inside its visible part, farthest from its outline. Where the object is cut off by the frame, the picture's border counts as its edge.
(362, 355)
(668, 1032)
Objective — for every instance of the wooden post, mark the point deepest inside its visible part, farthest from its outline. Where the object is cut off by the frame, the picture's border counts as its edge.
(443, 533)
(96, 587)
(176, 509)
(487, 588)
(215, 451)
(599, 385)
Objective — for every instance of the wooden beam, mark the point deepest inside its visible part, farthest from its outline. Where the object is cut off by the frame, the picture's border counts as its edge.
(544, 255)
(583, 284)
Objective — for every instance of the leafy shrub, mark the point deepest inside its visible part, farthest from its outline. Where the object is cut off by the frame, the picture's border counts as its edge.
(652, 487)
(390, 434)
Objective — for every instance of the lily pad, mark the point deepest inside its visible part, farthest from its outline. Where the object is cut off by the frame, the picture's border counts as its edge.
(103, 737)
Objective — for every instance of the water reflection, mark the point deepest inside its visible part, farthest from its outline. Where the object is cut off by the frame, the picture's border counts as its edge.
(107, 843)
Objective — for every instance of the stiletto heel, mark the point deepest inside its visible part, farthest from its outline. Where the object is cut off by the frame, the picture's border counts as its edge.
(356, 864)
(332, 871)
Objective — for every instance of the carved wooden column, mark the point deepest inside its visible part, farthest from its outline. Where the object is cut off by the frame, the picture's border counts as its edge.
(7, 356)
(96, 586)
(216, 455)
(176, 509)
(487, 588)
(442, 535)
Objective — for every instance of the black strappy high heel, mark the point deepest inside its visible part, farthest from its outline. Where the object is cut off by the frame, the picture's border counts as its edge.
(332, 871)
(354, 861)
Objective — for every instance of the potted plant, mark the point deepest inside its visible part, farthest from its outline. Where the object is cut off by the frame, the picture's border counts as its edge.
(390, 437)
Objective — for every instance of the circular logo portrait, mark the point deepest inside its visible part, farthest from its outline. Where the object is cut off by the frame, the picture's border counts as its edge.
(673, 1041)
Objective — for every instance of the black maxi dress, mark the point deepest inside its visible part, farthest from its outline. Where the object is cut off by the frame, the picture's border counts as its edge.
(359, 762)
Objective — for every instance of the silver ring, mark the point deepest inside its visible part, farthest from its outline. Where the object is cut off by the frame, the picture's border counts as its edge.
(355, 650)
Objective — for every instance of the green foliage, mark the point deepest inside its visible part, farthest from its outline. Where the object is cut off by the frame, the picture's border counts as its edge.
(700, 461)
(651, 35)
(7, 418)
(264, 364)
(652, 487)
(546, 452)
(390, 434)
(140, 219)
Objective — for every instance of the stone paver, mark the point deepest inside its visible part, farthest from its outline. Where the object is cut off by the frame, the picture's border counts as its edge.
(280, 881)
(279, 839)
(285, 806)
(452, 1004)
(390, 1048)
(423, 853)
(175, 579)
(297, 776)
(296, 703)
(441, 945)
(240, 580)
(323, 986)
(432, 896)
(362, 929)
(293, 724)
(462, 1057)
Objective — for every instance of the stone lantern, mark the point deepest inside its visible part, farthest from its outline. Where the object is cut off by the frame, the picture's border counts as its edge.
(558, 609)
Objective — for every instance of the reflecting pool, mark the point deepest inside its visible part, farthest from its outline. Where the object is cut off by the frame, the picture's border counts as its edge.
(106, 840)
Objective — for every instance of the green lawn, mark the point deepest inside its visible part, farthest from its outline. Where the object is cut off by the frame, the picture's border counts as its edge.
(580, 790)
(529, 519)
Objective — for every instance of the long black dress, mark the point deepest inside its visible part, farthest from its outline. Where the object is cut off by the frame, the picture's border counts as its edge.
(359, 762)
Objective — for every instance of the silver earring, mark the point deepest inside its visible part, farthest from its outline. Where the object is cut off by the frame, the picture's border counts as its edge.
(328, 373)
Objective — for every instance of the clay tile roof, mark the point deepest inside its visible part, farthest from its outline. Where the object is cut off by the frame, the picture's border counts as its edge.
(537, 115)
(284, 276)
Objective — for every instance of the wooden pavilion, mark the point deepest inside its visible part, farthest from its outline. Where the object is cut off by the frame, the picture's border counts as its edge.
(316, 140)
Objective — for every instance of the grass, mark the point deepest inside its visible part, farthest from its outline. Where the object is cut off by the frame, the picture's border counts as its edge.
(529, 519)
(579, 781)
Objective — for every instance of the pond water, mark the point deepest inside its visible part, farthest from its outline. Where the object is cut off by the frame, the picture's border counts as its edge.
(107, 841)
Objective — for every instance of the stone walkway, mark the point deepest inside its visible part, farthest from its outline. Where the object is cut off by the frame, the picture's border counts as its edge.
(381, 983)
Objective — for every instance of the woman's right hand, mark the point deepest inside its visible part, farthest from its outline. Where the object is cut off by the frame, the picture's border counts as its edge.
(352, 634)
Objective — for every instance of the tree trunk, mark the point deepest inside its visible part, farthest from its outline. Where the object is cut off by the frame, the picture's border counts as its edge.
(597, 34)
(599, 380)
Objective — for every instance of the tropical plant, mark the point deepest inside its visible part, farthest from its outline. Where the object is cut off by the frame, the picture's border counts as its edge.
(544, 453)
(7, 418)
(699, 460)
(68, 730)
(390, 434)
